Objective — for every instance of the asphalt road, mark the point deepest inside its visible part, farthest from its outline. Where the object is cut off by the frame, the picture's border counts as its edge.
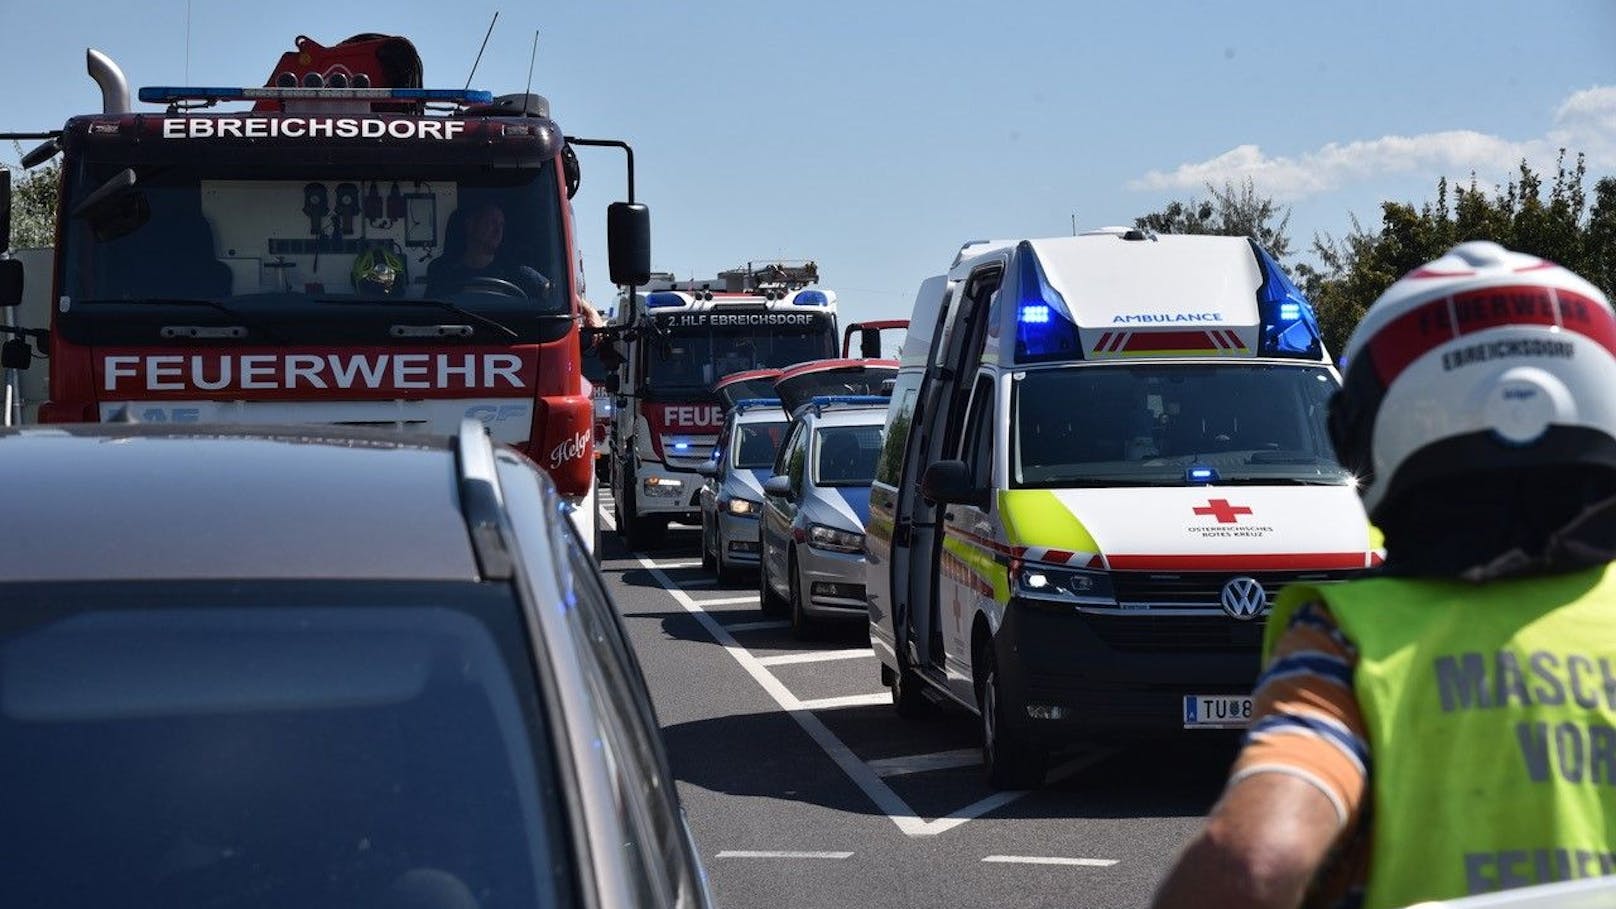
(805, 789)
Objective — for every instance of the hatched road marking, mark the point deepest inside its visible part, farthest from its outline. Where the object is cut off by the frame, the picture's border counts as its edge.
(802, 712)
(817, 656)
(729, 601)
(921, 763)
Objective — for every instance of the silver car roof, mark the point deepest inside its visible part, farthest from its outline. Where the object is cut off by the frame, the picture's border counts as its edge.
(138, 502)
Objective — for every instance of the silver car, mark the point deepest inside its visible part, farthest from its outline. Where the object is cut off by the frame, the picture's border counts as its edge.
(814, 508)
(313, 666)
(732, 496)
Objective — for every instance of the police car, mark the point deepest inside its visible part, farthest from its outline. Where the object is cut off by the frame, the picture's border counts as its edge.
(732, 496)
(1103, 454)
(317, 666)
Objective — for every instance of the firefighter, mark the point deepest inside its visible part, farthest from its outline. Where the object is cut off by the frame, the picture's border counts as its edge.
(1448, 726)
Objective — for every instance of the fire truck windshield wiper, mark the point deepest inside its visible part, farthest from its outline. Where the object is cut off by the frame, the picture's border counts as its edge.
(427, 301)
(193, 301)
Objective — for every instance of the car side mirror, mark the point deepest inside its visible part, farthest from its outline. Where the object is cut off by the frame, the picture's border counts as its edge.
(628, 243)
(951, 483)
(778, 486)
(10, 282)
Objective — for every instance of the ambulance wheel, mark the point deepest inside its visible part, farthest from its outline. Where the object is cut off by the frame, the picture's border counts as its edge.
(770, 602)
(708, 562)
(802, 626)
(1010, 759)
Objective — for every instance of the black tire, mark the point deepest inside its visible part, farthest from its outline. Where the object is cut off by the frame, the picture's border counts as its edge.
(1011, 760)
(802, 625)
(708, 561)
(770, 602)
(638, 532)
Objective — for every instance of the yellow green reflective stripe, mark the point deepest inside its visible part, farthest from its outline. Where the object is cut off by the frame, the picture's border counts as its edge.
(1035, 517)
(981, 563)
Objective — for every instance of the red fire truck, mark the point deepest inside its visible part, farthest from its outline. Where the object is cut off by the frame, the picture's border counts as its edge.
(678, 338)
(350, 248)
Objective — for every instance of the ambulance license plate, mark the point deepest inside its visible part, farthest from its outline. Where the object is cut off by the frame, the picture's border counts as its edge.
(1217, 711)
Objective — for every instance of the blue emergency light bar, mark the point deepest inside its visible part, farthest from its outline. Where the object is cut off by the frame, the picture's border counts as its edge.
(820, 402)
(749, 403)
(1199, 474)
(811, 298)
(168, 94)
(663, 299)
(1289, 326)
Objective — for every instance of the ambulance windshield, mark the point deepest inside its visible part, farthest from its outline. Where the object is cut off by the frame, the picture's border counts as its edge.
(1146, 425)
(207, 229)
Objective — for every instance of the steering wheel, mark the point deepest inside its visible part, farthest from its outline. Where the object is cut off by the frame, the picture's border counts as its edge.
(494, 285)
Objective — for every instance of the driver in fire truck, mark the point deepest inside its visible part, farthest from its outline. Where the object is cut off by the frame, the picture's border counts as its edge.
(476, 257)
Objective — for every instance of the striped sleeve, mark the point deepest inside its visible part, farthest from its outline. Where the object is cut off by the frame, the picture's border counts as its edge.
(1305, 719)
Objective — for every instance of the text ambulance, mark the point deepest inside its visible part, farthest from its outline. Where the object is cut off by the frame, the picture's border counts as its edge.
(679, 338)
(1104, 454)
(352, 249)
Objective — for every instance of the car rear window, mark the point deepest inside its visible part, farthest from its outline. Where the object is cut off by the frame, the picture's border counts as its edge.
(275, 745)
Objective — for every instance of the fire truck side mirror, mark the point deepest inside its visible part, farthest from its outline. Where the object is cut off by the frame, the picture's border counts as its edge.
(10, 282)
(628, 243)
(5, 209)
(613, 383)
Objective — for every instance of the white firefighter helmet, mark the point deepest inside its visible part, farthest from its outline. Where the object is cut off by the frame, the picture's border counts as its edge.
(1483, 360)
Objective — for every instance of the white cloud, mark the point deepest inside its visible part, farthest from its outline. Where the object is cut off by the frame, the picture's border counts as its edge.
(1586, 122)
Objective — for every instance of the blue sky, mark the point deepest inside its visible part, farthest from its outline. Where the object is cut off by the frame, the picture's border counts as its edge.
(876, 137)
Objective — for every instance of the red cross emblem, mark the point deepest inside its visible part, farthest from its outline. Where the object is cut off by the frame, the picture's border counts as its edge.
(1223, 511)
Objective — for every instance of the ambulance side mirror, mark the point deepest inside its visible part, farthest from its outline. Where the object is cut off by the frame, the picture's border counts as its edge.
(951, 483)
(628, 243)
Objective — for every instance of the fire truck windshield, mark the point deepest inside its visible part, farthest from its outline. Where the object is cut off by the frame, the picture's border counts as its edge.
(206, 230)
(695, 358)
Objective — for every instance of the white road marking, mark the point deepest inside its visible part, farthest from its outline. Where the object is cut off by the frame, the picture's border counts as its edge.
(922, 763)
(815, 656)
(666, 565)
(605, 518)
(862, 776)
(850, 700)
(755, 626)
(742, 853)
(730, 601)
(1050, 860)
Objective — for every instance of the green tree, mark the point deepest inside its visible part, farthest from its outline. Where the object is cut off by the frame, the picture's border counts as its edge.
(1235, 210)
(33, 206)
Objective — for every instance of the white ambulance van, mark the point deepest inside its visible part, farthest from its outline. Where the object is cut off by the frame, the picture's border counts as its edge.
(1104, 454)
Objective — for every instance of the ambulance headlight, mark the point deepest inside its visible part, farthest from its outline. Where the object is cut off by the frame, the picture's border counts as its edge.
(1062, 585)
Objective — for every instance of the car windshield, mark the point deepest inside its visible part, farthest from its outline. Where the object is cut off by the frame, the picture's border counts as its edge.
(696, 358)
(192, 744)
(1147, 424)
(206, 231)
(845, 455)
(756, 444)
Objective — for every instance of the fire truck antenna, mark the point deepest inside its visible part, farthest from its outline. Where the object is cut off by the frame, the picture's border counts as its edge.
(530, 60)
(481, 49)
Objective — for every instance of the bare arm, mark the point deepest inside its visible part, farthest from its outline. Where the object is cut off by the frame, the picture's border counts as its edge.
(1264, 842)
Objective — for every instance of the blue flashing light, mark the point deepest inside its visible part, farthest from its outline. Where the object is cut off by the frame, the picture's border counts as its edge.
(663, 299)
(1200, 474)
(811, 298)
(168, 94)
(681, 446)
(1289, 326)
(1044, 330)
(748, 403)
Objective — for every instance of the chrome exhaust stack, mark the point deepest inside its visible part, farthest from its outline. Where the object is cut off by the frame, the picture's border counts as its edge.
(114, 87)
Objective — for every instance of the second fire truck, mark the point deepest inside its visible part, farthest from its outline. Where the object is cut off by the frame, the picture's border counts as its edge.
(676, 339)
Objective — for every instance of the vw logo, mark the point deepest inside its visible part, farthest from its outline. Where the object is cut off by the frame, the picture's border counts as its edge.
(1243, 598)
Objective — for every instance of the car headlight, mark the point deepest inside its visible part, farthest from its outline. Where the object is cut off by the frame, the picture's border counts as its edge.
(661, 486)
(829, 538)
(743, 507)
(1062, 585)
